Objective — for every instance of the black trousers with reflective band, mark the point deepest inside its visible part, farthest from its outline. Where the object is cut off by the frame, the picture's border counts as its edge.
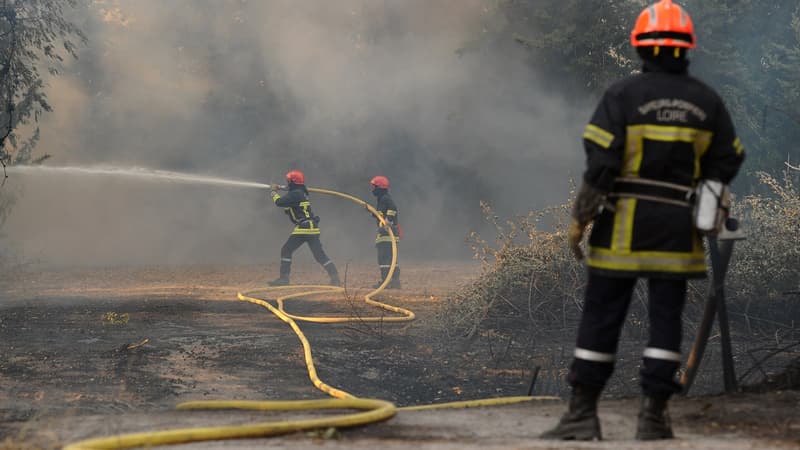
(605, 308)
(296, 240)
(384, 254)
(385, 260)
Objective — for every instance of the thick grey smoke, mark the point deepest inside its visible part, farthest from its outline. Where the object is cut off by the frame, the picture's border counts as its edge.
(342, 90)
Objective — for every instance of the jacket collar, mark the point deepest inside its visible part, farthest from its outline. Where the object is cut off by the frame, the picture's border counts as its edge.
(676, 66)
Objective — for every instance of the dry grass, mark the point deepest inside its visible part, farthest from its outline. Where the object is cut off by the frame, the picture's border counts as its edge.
(765, 275)
(531, 286)
(529, 278)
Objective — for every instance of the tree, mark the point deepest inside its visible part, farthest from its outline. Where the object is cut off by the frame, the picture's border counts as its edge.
(34, 36)
(748, 51)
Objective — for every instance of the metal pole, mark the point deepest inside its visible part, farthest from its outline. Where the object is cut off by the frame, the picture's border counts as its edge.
(728, 369)
(704, 330)
(720, 253)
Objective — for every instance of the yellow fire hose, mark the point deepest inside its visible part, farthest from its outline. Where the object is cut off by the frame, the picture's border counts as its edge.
(374, 410)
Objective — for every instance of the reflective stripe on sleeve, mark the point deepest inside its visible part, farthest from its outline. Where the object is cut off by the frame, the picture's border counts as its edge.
(589, 355)
(737, 145)
(598, 135)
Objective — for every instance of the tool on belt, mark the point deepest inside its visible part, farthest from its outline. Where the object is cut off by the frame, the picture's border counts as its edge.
(710, 203)
(710, 200)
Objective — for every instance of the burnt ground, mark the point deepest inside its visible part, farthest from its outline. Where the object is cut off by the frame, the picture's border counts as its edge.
(93, 352)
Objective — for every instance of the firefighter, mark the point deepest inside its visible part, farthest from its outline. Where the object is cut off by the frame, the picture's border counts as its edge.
(383, 242)
(652, 138)
(306, 228)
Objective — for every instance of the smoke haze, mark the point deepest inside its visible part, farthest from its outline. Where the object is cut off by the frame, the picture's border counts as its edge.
(247, 90)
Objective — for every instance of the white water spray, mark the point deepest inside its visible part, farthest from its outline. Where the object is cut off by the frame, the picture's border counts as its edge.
(137, 172)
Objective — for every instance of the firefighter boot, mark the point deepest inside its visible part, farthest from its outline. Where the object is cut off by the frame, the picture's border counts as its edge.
(283, 280)
(395, 283)
(333, 273)
(580, 422)
(654, 420)
(384, 272)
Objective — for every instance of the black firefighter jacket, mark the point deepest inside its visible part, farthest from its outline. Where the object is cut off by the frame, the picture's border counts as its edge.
(388, 210)
(662, 126)
(296, 205)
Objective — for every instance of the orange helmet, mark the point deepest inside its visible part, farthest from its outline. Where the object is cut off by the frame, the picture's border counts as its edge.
(296, 177)
(663, 23)
(380, 182)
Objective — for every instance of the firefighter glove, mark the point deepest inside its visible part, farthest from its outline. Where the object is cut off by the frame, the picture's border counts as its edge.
(575, 236)
(589, 202)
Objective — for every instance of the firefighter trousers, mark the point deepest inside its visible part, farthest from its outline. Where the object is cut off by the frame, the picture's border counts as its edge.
(294, 242)
(385, 261)
(604, 311)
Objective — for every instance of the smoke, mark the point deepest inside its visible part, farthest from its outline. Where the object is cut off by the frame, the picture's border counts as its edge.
(417, 90)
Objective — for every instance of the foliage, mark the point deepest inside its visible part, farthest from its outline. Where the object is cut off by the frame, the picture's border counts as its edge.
(562, 39)
(764, 278)
(35, 36)
(748, 50)
(532, 288)
(530, 281)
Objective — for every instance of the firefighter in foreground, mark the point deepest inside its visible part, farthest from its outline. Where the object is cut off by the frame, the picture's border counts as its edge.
(383, 242)
(306, 228)
(652, 138)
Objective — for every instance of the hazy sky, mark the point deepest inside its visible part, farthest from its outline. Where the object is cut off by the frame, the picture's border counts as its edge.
(343, 90)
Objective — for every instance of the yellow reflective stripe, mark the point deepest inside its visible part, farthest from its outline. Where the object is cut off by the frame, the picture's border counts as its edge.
(305, 231)
(598, 135)
(622, 233)
(634, 149)
(630, 212)
(656, 261)
(275, 197)
(386, 239)
(701, 145)
(737, 145)
(305, 206)
(634, 143)
(669, 133)
(391, 212)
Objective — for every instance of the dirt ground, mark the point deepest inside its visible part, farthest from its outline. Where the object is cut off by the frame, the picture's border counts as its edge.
(95, 352)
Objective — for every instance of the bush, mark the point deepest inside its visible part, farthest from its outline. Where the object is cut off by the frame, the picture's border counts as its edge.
(529, 279)
(531, 288)
(763, 281)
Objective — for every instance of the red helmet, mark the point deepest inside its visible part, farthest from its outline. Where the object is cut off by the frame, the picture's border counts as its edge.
(296, 177)
(663, 23)
(380, 182)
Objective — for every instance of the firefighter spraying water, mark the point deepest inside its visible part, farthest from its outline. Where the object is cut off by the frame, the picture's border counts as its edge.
(306, 230)
(295, 204)
(136, 173)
